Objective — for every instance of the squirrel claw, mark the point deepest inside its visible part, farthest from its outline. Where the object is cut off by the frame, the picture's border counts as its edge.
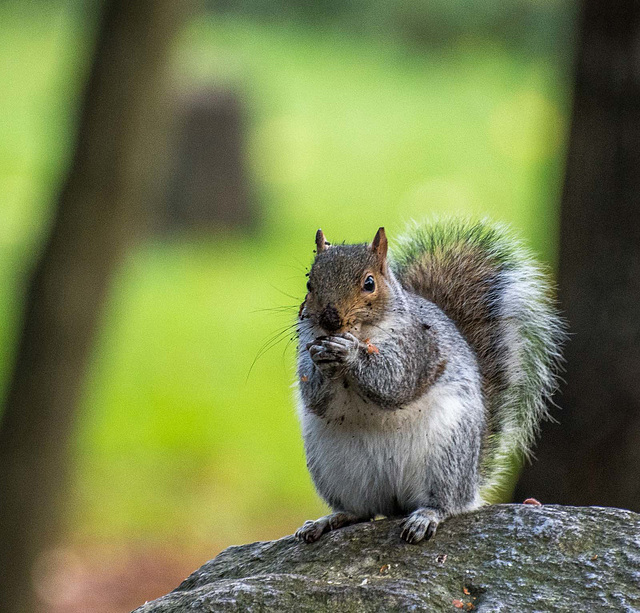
(310, 532)
(332, 349)
(350, 337)
(420, 525)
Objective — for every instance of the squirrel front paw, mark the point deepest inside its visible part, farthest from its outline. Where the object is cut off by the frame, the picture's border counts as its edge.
(311, 531)
(327, 352)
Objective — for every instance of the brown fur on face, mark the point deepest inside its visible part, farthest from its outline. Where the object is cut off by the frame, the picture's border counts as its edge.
(336, 301)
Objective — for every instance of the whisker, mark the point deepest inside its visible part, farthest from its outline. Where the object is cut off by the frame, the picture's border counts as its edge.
(285, 293)
(298, 267)
(284, 351)
(271, 342)
(278, 309)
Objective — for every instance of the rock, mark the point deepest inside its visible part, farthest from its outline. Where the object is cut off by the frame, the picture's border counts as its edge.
(499, 558)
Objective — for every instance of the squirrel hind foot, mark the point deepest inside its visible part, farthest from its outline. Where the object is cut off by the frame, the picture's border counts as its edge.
(420, 525)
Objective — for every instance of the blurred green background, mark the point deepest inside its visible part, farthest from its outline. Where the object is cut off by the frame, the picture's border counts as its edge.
(359, 114)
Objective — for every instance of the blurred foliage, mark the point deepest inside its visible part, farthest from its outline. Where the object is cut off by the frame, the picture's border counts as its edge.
(347, 132)
(532, 25)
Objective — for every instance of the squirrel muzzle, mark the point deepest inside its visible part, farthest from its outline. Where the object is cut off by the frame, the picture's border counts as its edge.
(330, 319)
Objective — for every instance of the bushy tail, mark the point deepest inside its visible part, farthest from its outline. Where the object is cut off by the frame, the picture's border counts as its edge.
(502, 302)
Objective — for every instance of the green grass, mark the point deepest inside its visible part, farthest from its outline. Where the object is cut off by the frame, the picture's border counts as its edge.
(174, 440)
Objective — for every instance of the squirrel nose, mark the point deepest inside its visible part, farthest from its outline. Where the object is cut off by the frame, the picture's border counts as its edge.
(330, 319)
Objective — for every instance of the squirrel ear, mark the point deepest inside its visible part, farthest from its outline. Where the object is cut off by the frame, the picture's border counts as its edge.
(379, 244)
(321, 242)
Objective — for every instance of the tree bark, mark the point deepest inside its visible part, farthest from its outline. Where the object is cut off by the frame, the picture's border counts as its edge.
(100, 209)
(592, 456)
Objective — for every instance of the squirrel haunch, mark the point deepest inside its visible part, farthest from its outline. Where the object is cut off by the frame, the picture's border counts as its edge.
(466, 348)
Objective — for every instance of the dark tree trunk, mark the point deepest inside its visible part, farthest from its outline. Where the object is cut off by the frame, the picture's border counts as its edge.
(593, 455)
(100, 209)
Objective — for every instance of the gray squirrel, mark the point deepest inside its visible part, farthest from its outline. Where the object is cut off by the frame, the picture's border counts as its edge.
(422, 375)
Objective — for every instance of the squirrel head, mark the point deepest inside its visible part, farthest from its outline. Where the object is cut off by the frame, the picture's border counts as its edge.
(349, 285)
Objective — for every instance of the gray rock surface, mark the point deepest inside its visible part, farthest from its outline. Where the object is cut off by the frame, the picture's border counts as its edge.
(500, 558)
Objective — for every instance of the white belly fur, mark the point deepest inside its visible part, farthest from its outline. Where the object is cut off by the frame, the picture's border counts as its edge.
(372, 461)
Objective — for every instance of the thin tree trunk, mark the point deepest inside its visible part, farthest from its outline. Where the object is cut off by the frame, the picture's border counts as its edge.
(593, 455)
(100, 209)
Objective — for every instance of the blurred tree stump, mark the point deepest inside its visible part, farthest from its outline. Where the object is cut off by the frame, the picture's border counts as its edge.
(592, 456)
(101, 208)
(209, 188)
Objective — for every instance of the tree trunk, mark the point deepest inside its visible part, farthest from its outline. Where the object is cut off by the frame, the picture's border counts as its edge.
(592, 456)
(100, 209)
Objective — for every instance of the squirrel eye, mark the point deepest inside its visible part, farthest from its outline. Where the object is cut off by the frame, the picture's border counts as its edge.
(308, 286)
(369, 284)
